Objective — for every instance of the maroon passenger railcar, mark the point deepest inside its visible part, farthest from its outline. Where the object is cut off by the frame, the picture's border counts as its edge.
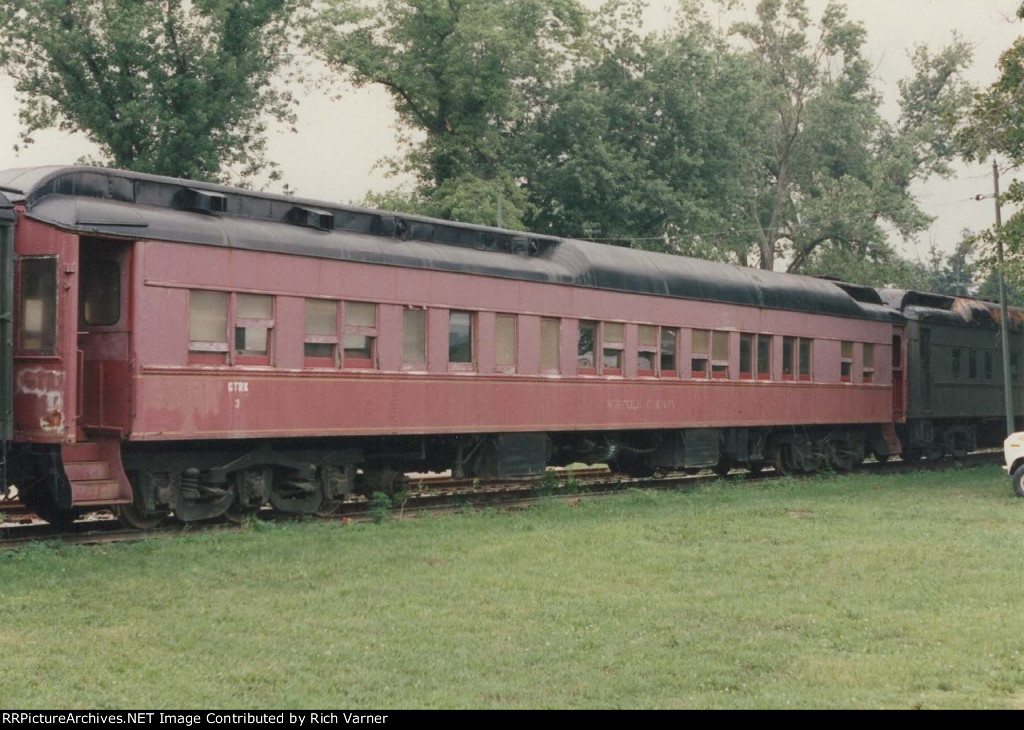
(196, 349)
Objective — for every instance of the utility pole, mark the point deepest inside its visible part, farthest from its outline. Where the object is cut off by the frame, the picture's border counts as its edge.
(1004, 328)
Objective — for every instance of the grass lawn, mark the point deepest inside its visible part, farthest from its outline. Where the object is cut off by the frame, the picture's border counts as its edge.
(870, 591)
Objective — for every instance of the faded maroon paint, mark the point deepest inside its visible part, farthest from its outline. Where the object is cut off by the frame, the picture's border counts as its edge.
(184, 404)
(175, 400)
(45, 387)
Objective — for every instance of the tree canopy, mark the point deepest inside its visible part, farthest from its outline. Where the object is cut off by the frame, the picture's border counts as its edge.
(995, 127)
(464, 75)
(173, 87)
(760, 144)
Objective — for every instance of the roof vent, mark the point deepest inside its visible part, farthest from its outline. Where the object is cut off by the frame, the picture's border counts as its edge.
(523, 246)
(311, 218)
(204, 201)
(391, 226)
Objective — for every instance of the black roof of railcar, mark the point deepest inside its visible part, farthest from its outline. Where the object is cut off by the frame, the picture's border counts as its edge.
(951, 310)
(134, 205)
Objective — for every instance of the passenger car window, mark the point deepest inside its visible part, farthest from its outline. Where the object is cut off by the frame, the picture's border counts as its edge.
(460, 337)
(321, 340)
(612, 348)
(505, 342)
(360, 334)
(414, 336)
(208, 321)
(100, 292)
(585, 361)
(549, 344)
(669, 340)
(38, 306)
(647, 349)
(254, 314)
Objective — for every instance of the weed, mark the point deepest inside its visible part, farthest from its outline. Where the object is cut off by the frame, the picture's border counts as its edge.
(379, 507)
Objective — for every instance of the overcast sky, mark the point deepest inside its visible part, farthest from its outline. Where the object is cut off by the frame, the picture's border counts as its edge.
(332, 156)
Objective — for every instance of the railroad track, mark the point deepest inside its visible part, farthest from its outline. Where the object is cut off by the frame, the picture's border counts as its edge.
(427, 495)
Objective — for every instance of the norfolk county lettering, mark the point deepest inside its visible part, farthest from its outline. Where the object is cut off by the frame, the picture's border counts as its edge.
(188, 719)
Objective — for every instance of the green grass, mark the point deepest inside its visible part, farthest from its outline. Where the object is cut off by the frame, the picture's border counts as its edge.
(873, 591)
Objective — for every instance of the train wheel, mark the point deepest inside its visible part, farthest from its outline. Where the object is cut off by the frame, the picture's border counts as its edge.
(723, 467)
(131, 516)
(755, 468)
(847, 456)
(783, 464)
(1017, 480)
(239, 515)
(39, 499)
(252, 488)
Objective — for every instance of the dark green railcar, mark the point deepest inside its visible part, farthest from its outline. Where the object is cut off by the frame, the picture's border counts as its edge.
(955, 386)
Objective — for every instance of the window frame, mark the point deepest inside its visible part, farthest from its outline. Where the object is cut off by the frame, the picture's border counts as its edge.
(349, 362)
(407, 364)
(546, 369)
(595, 340)
(49, 313)
(867, 362)
(613, 348)
(653, 350)
(700, 354)
(463, 365)
(237, 323)
(506, 368)
(720, 357)
(846, 361)
(319, 361)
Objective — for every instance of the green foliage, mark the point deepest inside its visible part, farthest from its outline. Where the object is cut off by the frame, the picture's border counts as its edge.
(162, 86)
(379, 507)
(995, 128)
(463, 77)
(834, 168)
(647, 142)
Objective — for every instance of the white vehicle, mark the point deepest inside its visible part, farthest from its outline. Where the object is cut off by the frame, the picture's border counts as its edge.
(1013, 450)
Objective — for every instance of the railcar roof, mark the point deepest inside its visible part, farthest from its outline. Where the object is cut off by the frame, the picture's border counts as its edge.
(108, 202)
(951, 310)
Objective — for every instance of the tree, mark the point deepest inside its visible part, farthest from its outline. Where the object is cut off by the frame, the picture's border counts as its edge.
(463, 75)
(647, 142)
(833, 169)
(996, 127)
(173, 87)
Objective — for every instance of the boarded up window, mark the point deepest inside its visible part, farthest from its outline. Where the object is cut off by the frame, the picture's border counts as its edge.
(719, 354)
(360, 334)
(254, 315)
(549, 344)
(414, 336)
(612, 348)
(505, 341)
(846, 362)
(208, 321)
(700, 359)
(321, 339)
(868, 374)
